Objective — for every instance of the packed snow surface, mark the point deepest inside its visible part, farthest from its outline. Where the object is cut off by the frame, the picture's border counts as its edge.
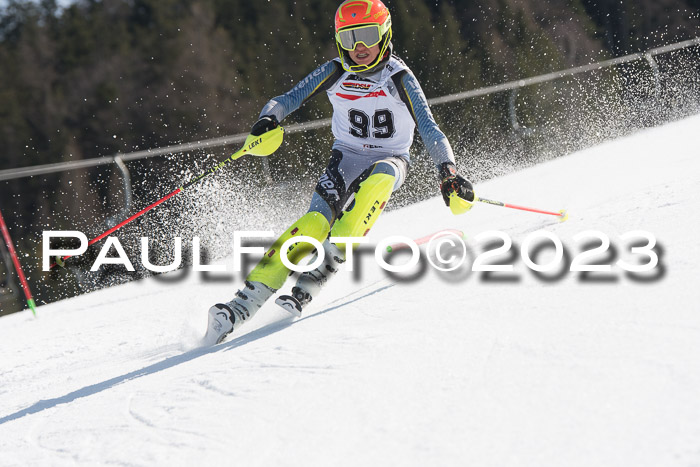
(466, 368)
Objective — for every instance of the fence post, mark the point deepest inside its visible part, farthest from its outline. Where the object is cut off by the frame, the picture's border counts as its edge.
(655, 68)
(126, 180)
(513, 114)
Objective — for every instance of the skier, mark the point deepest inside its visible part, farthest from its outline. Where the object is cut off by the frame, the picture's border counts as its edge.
(377, 104)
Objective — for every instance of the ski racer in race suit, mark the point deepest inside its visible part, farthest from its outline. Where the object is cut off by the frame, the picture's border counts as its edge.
(377, 104)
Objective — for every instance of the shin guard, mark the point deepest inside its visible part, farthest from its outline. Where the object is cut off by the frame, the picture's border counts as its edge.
(370, 199)
(270, 270)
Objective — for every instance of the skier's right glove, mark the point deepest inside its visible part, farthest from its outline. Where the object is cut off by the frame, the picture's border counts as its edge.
(457, 191)
(265, 124)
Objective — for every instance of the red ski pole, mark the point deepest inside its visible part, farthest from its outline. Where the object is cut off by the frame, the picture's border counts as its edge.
(262, 145)
(18, 266)
(61, 260)
(562, 215)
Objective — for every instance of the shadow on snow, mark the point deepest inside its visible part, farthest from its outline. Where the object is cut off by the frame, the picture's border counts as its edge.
(171, 362)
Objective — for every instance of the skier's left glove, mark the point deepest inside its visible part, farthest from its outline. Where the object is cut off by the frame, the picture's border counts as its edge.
(457, 191)
(265, 124)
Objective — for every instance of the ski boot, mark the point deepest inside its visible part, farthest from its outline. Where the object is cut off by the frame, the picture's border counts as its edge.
(224, 318)
(309, 283)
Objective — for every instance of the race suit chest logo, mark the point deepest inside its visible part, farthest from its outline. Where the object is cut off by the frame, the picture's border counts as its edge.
(358, 78)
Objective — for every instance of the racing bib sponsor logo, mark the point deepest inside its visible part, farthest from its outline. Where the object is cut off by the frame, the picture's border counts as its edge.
(355, 86)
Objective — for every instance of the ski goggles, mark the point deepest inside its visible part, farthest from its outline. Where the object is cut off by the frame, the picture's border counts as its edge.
(369, 35)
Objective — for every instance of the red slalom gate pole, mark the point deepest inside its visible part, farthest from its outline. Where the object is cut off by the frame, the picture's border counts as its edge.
(562, 215)
(18, 266)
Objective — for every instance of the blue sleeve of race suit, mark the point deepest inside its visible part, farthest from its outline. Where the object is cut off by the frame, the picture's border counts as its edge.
(434, 139)
(316, 81)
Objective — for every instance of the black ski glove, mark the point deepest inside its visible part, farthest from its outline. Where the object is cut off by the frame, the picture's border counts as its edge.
(451, 181)
(265, 124)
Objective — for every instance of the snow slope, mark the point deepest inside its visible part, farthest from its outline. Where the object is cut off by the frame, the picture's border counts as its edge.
(452, 369)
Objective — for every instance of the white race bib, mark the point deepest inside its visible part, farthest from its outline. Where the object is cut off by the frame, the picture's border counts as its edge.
(368, 114)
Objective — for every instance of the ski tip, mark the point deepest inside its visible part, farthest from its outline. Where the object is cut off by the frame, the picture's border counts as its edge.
(289, 304)
(563, 215)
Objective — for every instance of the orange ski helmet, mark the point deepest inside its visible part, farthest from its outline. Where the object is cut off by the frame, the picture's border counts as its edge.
(362, 21)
